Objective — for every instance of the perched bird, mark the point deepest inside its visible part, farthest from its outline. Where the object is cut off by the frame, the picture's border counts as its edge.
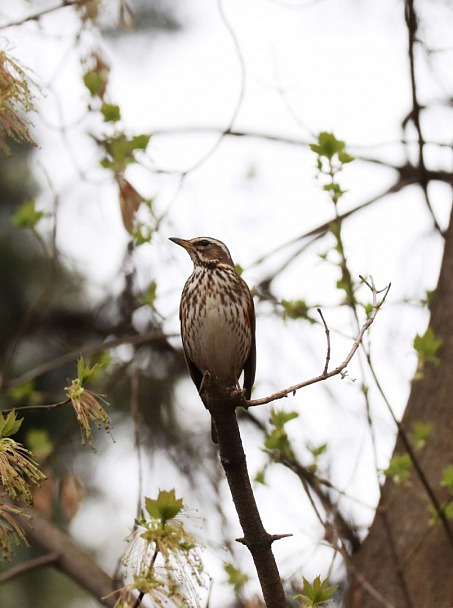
(217, 317)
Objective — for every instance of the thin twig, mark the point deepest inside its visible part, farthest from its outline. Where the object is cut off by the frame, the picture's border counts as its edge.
(411, 22)
(326, 366)
(325, 375)
(136, 422)
(50, 406)
(32, 564)
(37, 16)
(48, 366)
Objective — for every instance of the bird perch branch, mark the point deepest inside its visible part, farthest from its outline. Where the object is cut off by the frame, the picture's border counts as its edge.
(340, 368)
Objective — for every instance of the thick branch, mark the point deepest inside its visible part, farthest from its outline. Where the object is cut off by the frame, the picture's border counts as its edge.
(69, 558)
(222, 405)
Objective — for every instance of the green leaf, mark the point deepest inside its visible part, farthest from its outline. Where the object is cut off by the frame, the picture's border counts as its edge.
(165, 507)
(317, 450)
(148, 297)
(85, 371)
(94, 82)
(260, 477)
(110, 112)
(399, 468)
(142, 234)
(317, 593)
(38, 442)
(345, 158)
(421, 433)
(27, 216)
(427, 345)
(140, 142)
(328, 145)
(446, 509)
(277, 440)
(447, 478)
(236, 578)
(24, 393)
(9, 425)
(296, 309)
(334, 187)
(279, 418)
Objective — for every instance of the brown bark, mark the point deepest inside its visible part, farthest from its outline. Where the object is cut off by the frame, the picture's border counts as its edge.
(69, 557)
(222, 404)
(409, 562)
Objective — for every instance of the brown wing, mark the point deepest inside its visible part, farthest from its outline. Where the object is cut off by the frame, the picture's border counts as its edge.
(195, 373)
(250, 364)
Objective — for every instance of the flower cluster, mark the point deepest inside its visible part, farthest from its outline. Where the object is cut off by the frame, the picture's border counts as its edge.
(87, 405)
(165, 558)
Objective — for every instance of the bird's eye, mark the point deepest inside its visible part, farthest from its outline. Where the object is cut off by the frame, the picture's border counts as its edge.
(204, 243)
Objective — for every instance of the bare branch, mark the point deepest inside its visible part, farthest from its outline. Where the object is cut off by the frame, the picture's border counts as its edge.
(326, 366)
(36, 16)
(32, 564)
(70, 558)
(50, 406)
(340, 368)
(92, 349)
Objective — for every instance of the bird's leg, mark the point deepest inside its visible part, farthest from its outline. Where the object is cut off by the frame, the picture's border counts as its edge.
(207, 377)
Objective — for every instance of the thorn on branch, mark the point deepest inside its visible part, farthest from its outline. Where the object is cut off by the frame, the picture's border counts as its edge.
(279, 536)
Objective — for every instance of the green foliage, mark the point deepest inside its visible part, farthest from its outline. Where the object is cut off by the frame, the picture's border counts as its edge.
(95, 82)
(260, 477)
(23, 393)
(296, 309)
(236, 578)
(110, 112)
(27, 216)
(399, 468)
(332, 156)
(121, 149)
(16, 462)
(447, 510)
(316, 452)
(165, 507)
(85, 371)
(277, 438)
(9, 425)
(142, 234)
(447, 478)
(328, 146)
(148, 297)
(421, 432)
(426, 347)
(87, 405)
(165, 557)
(315, 594)
(39, 442)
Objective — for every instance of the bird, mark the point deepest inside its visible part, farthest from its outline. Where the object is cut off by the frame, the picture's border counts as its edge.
(217, 318)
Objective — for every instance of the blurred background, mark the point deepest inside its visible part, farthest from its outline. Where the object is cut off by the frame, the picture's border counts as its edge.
(212, 108)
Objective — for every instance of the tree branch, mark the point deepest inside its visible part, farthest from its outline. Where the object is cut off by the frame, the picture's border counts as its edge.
(32, 564)
(69, 557)
(339, 369)
(222, 404)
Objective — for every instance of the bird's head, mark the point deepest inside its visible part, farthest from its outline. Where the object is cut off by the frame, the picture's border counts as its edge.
(205, 251)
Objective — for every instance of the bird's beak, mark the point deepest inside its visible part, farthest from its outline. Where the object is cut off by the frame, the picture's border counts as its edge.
(183, 242)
